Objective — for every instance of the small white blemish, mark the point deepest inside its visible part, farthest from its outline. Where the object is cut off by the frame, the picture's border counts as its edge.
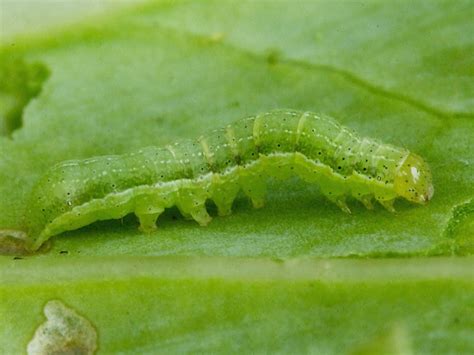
(63, 332)
(415, 173)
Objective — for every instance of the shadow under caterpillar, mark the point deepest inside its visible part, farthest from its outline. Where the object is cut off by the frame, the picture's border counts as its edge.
(217, 166)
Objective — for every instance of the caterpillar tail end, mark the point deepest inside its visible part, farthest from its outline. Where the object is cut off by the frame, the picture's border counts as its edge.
(17, 242)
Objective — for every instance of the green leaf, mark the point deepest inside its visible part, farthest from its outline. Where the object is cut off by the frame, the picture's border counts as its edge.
(401, 72)
(221, 305)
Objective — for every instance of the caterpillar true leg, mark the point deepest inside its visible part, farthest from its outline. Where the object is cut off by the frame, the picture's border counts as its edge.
(388, 205)
(340, 202)
(366, 200)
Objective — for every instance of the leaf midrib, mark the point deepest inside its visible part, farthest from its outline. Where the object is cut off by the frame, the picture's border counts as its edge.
(72, 269)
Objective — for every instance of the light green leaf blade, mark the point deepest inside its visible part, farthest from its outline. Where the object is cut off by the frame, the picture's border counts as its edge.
(221, 305)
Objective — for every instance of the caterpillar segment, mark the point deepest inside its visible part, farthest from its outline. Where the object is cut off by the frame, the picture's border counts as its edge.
(217, 166)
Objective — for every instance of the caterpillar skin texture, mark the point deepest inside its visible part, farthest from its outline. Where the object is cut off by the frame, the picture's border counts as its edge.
(280, 143)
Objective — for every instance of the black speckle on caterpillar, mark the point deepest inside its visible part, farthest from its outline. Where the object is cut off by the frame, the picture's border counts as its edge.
(217, 166)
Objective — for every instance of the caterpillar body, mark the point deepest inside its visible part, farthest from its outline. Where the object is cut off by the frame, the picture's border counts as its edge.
(217, 166)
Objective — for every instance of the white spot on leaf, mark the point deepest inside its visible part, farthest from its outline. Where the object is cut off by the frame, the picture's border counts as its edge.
(64, 332)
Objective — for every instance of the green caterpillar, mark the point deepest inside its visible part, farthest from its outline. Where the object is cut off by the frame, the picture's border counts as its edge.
(280, 143)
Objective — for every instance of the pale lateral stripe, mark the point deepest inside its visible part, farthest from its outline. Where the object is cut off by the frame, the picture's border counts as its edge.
(206, 151)
(230, 135)
(299, 129)
(256, 130)
(171, 150)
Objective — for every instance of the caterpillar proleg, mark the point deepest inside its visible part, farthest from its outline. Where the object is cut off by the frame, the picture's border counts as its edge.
(217, 166)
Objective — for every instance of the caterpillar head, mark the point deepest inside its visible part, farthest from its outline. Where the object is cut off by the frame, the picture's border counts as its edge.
(413, 180)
